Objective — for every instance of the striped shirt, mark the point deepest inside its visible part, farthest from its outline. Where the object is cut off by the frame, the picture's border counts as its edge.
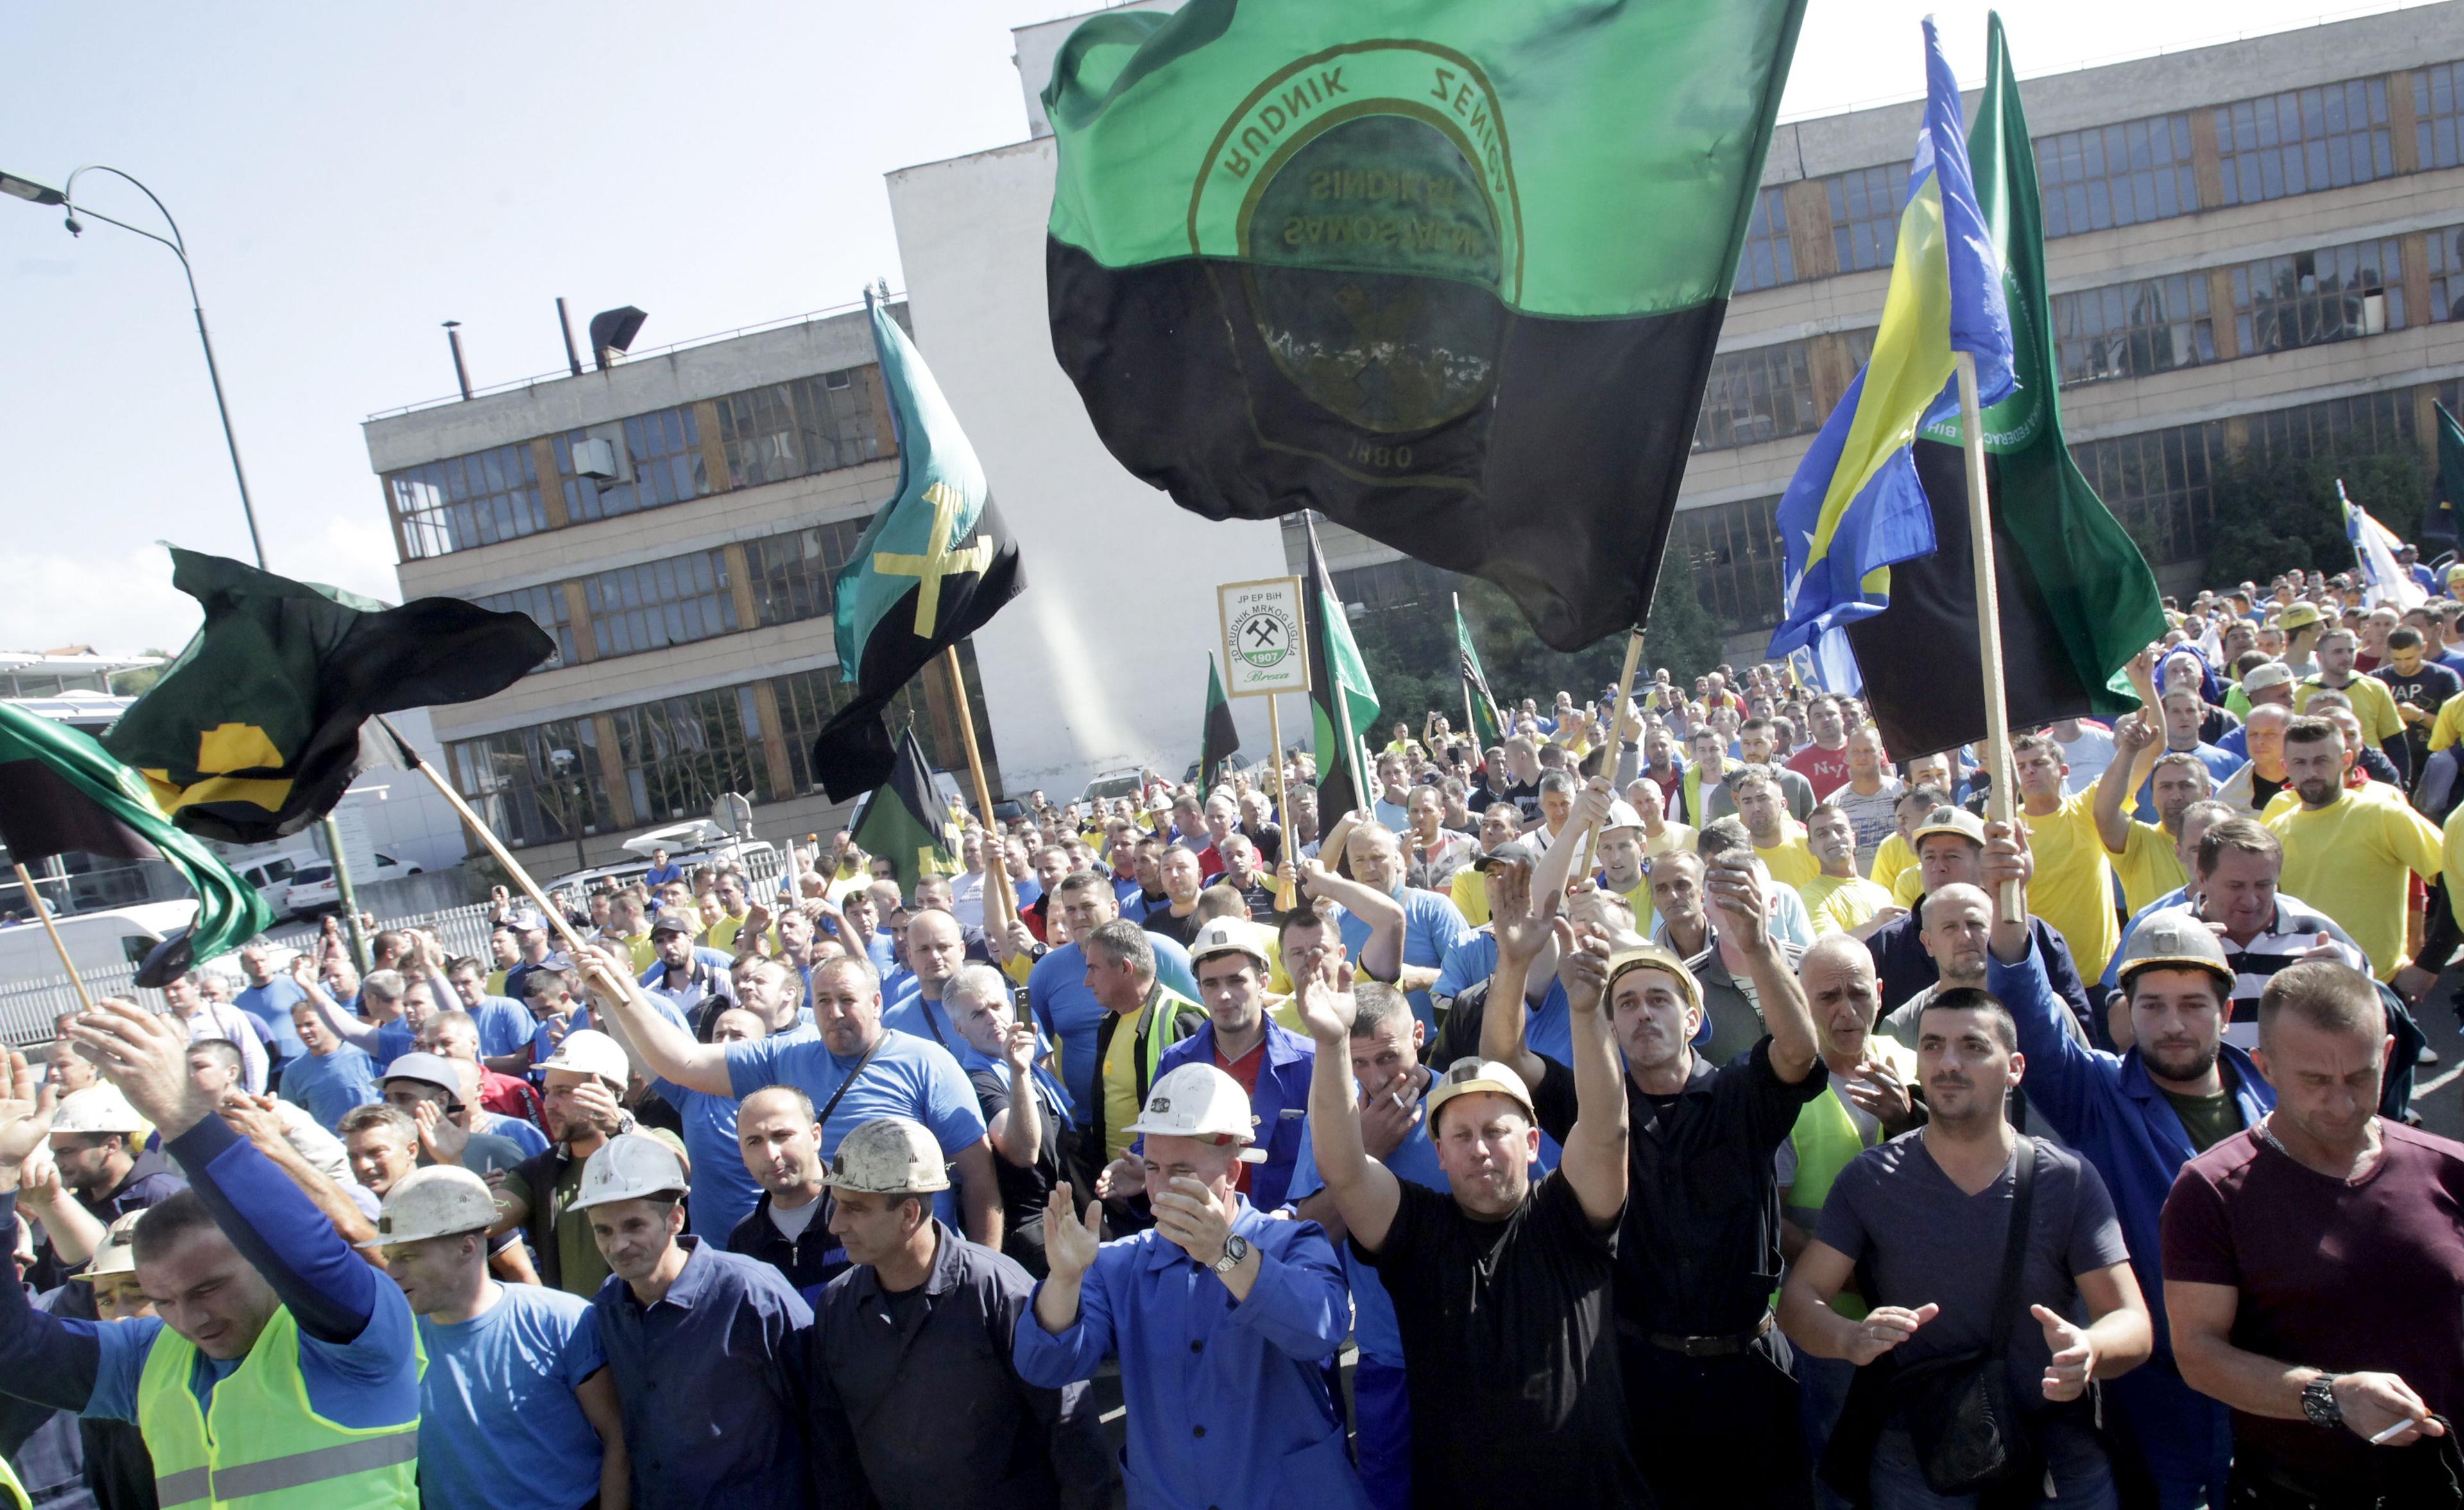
(2291, 933)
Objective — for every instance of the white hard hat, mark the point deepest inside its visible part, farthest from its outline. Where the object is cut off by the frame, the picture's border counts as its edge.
(588, 1051)
(1230, 936)
(1199, 1100)
(437, 1202)
(889, 1156)
(97, 1109)
(1622, 815)
(630, 1167)
(117, 1254)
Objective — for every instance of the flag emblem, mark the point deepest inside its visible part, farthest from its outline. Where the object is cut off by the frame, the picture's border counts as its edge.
(939, 561)
(1264, 635)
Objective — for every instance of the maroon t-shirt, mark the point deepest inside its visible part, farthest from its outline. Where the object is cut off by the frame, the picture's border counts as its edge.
(1825, 771)
(2347, 1278)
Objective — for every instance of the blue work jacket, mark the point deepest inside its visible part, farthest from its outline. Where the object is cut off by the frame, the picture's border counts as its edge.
(1279, 1103)
(2104, 1105)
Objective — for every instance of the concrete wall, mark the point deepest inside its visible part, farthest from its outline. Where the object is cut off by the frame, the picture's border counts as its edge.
(1101, 661)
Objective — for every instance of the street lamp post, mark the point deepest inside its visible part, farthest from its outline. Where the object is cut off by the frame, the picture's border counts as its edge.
(65, 199)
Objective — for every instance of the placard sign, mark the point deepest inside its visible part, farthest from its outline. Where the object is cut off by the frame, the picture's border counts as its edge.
(1266, 649)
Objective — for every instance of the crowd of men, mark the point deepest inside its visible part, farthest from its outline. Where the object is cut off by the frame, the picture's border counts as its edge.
(1688, 1105)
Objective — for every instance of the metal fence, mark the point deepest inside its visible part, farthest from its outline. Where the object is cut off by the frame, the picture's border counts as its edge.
(30, 1007)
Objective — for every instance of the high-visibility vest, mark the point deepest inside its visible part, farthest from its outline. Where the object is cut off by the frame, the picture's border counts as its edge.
(16, 1496)
(1827, 1139)
(262, 1446)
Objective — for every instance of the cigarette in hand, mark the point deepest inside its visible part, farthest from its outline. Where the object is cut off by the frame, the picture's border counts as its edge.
(2393, 1432)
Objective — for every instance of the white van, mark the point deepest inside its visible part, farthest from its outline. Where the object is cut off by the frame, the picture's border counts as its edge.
(109, 941)
(272, 876)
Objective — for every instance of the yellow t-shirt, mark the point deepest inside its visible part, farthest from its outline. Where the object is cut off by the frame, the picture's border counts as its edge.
(1891, 857)
(1909, 887)
(1790, 863)
(1470, 892)
(2073, 889)
(1839, 904)
(2350, 859)
(645, 953)
(1117, 1073)
(2448, 725)
(2452, 848)
(1671, 838)
(721, 934)
(496, 982)
(2147, 865)
(2373, 704)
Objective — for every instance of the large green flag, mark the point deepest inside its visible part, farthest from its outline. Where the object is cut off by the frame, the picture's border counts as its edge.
(932, 568)
(59, 791)
(254, 733)
(1221, 738)
(1450, 271)
(1343, 706)
(907, 821)
(2438, 532)
(1485, 726)
(2077, 598)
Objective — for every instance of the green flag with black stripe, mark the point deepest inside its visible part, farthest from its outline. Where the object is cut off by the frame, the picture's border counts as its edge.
(1220, 739)
(906, 820)
(1449, 271)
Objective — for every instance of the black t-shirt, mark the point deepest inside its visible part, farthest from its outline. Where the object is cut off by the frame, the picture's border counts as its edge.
(2426, 688)
(1180, 930)
(1697, 1253)
(1511, 1352)
(1023, 1191)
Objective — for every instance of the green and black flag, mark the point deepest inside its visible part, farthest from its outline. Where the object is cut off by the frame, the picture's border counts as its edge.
(1485, 726)
(59, 791)
(933, 566)
(253, 734)
(906, 821)
(2078, 598)
(1450, 271)
(1343, 707)
(1217, 741)
(2438, 532)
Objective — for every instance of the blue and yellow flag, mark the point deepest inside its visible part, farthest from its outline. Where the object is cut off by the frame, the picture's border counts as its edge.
(1855, 505)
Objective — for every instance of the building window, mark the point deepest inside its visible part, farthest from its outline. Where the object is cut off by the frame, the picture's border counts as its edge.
(1766, 260)
(792, 574)
(2435, 112)
(659, 603)
(2446, 273)
(534, 785)
(2157, 485)
(2362, 424)
(546, 609)
(2303, 141)
(1734, 551)
(1762, 393)
(2129, 330)
(465, 501)
(790, 429)
(2311, 297)
(808, 700)
(664, 452)
(681, 754)
(2118, 175)
(1866, 208)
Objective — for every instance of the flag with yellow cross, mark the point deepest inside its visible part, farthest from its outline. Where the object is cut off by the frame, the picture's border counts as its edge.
(934, 564)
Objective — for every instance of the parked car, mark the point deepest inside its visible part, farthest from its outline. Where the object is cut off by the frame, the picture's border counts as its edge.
(314, 892)
(1124, 783)
(272, 875)
(698, 842)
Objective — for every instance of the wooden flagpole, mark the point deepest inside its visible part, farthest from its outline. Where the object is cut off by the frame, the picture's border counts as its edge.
(1286, 894)
(43, 915)
(1989, 615)
(488, 840)
(1617, 729)
(996, 865)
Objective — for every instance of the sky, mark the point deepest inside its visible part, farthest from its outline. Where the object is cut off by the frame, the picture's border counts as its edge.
(348, 177)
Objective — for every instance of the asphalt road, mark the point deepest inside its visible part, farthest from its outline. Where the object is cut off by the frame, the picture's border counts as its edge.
(2438, 1096)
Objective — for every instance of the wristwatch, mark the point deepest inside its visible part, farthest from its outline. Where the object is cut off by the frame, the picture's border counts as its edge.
(2319, 1402)
(1235, 1249)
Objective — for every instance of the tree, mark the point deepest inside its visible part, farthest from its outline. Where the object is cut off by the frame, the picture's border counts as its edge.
(2280, 513)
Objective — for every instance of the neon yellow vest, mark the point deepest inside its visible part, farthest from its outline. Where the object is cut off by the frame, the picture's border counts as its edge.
(16, 1492)
(263, 1447)
(1826, 1140)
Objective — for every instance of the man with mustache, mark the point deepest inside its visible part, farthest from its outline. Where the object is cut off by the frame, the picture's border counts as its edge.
(2137, 1117)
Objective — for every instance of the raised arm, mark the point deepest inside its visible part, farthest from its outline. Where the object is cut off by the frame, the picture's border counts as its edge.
(1737, 892)
(2134, 755)
(1365, 1193)
(359, 1035)
(666, 1050)
(1017, 1134)
(272, 1222)
(1594, 1160)
(1382, 955)
(1522, 923)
